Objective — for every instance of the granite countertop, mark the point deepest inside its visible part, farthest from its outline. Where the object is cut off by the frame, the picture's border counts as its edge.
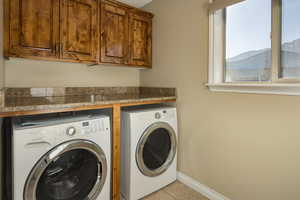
(31, 99)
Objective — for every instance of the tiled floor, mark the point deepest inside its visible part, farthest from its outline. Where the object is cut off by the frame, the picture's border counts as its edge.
(176, 191)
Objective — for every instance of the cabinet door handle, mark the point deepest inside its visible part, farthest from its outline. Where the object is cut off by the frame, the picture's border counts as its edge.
(57, 48)
(128, 54)
(61, 50)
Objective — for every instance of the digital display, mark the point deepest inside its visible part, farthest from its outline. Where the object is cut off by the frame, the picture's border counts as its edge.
(85, 124)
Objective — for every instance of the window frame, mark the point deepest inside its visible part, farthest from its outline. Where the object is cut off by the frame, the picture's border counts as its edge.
(217, 52)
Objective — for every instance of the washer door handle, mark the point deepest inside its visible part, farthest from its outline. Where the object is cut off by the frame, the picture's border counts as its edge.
(40, 144)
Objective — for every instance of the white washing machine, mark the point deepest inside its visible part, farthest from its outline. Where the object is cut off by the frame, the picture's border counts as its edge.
(61, 158)
(149, 151)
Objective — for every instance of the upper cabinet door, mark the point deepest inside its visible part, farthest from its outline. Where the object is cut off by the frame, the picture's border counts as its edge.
(140, 39)
(79, 30)
(33, 29)
(114, 34)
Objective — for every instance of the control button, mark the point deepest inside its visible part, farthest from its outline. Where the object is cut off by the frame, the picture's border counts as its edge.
(87, 131)
(98, 127)
(157, 115)
(94, 129)
(71, 131)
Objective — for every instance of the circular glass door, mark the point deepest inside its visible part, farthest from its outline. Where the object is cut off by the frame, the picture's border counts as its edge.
(74, 170)
(156, 149)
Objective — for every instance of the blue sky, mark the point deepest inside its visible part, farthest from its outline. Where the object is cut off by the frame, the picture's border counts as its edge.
(249, 25)
(291, 20)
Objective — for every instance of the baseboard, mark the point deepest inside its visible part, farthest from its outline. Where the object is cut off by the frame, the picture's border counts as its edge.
(201, 188)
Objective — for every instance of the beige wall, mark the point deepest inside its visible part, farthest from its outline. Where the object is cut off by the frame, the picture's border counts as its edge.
(29, 73)
(246, 147)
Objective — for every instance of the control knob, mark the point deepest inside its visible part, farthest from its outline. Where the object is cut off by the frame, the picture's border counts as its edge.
(157, 115)
(71, 131)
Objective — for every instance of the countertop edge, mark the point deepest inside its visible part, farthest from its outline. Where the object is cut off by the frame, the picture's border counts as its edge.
(44, 109)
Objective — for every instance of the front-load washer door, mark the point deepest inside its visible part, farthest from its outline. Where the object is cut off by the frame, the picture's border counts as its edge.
(156, 149)
(74, 170)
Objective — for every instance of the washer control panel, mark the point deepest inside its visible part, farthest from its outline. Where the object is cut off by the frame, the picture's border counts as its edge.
(84, 128)
(48, 133)
(89, 127)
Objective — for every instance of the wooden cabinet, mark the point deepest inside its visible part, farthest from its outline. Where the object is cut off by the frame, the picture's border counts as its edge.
(114, 34)
(79, 30)
(33, 30)
(125, 35)
(87, 31)
(64, 30)
(140, 39)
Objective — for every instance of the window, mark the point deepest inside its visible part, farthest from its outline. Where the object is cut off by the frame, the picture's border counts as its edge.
(255, 47)
(290, 39)
(248, 41)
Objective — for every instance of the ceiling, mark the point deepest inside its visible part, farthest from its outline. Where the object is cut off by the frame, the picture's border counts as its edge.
(136, 3)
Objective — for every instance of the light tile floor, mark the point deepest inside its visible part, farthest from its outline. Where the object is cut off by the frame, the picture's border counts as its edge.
(176, 191)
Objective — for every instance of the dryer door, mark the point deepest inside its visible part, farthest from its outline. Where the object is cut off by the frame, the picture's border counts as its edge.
(74, 170)
(156, 149)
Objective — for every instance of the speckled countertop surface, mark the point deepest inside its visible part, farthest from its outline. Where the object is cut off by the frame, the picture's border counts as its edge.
(31, 99)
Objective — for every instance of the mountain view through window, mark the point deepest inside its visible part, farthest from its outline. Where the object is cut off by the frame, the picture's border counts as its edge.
(248, 41)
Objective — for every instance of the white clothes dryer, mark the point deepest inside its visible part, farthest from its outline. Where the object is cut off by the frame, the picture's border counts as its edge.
(149, 150)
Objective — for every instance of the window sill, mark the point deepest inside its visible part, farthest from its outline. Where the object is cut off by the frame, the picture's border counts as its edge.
(257, 88)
